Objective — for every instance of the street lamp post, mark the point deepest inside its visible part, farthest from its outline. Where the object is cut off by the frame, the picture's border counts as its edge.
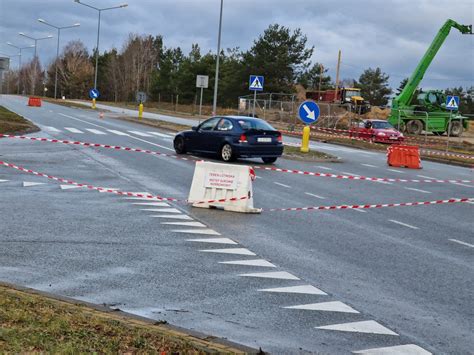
(57, 50)
(19, 63)
(33, 86)
(98, 34)
(216, 81)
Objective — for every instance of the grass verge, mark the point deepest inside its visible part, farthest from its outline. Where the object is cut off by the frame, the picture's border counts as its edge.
(294, 153)
(32, 322)
(11, 123)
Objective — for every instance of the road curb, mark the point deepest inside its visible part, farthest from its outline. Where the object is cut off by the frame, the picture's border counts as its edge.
(224, 345)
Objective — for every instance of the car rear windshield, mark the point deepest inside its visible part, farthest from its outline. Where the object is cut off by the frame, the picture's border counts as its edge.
(381, 125)
(260, 125)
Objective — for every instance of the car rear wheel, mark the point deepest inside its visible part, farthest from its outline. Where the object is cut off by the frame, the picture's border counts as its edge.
(227, 154)
(269, 160)
(414, 127)
(179, 145)
(455, 128)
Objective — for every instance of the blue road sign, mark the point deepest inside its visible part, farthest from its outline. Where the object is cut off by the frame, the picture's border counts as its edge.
(452, 103)
(256, 83)
(94, 93)
(308, 112)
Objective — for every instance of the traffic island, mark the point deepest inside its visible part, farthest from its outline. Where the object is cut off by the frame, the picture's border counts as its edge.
(34, 321)
(11, 123)
(294, 153)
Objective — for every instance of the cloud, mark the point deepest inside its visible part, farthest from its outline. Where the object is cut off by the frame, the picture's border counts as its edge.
(390, 34)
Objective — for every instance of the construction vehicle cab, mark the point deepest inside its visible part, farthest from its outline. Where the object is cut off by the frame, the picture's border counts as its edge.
(353, 97)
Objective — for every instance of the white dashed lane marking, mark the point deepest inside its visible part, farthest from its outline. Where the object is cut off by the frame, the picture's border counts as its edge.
(283, 185)
(69, 187)
(157, 204)
(460, 184)
(3, 180)
(426, 177)
(281, 275)
(73, 130)
(369, 326)
(462, 243)
(396, 171)
(161, 210)
(28, 183)
(255, 262)
(403, 224)
(236, 251)
(185, 224)
(142, 134)
(303, 289)
(95, 131)
(160, 134)
(417, 190)
(118, 132)
(323, 167)
(173, 216)
(196, 231)
(314, 195)
(351, 174)
(50, 129)
(408, 349)
(359, 210)
(335, 306)
(213, 240)
(369, 165)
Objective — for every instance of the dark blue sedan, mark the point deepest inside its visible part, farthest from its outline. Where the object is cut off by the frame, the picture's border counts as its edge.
(232, 137)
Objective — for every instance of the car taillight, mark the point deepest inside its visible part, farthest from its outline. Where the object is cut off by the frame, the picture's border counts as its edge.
(243, 138)
(280, 138)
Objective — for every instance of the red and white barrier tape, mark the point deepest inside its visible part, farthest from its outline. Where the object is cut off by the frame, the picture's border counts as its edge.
(117, 192)
(97, 145)
(348, 207)
(353, 177)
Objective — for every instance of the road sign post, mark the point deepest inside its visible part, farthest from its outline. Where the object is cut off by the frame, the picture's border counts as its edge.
(255, 84)
(202, 81)
(308, 113)
(94, 94)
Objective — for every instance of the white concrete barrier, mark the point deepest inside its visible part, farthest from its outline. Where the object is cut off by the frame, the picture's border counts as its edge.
(217, 184)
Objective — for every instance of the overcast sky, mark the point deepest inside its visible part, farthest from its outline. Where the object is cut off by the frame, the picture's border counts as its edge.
(390, 34)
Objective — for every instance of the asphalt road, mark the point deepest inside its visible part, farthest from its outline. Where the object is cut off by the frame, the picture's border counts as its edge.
(393, 276)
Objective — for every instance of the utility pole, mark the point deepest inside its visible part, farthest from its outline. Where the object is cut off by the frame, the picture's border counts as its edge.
(321, 71)
(337, 74)
(216, 81)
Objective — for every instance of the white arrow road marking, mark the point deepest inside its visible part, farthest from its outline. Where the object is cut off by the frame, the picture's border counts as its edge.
(368, 326)
(185, 224)
(304, 289)
(157, 204)
(197, 231)
(409, 349)
(28, 183)
(309, 113)
(162, 210)
(69, 187)
(213, 240)
(73, 130)
(335, 306)
(282, 275)
(173, 216)
(237, 251)
(255, 262)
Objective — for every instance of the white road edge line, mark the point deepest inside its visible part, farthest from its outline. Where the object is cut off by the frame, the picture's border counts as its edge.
(403, 224)
(462, 243)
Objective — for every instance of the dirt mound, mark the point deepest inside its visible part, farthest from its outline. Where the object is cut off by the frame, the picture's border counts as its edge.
(377, 113)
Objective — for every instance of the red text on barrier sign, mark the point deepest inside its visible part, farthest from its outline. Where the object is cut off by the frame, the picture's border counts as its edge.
(220, 180)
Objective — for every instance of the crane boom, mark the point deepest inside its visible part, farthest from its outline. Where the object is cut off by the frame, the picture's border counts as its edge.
(405, 97)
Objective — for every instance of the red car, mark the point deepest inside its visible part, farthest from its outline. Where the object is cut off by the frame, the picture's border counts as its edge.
(378, 131)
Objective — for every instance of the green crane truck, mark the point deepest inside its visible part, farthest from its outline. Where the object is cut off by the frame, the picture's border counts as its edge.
(428, 110)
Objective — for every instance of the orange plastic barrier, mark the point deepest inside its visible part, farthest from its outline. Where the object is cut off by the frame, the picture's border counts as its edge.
(404, 156)
(34, 101)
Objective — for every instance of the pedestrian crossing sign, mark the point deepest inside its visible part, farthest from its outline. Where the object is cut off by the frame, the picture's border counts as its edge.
(256, 83)
(452, 103)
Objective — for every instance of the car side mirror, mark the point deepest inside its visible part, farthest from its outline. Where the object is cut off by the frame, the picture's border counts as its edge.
(194, 128)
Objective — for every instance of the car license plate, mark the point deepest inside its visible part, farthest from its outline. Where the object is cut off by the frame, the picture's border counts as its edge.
(264, 139)
(393, 137)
